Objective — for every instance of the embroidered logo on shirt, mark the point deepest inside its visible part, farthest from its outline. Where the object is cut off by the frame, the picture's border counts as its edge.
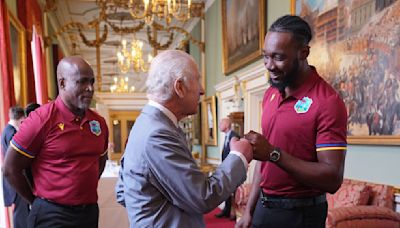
(61, 126)
(272, 97)
(95, 127)
(303, 105)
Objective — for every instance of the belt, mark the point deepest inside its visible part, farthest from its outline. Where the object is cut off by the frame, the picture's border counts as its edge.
(290, 203)
(74, 207)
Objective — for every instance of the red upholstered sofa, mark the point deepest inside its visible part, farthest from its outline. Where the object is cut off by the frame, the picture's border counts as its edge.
(356, 204)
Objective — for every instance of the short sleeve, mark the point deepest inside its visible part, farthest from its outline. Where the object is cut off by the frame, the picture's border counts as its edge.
(332, 124)
(30, 137)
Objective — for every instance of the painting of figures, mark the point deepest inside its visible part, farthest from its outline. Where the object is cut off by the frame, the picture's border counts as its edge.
(356, 48)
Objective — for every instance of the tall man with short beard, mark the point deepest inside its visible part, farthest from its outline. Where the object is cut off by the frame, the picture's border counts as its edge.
(303, 135)
(65, 144)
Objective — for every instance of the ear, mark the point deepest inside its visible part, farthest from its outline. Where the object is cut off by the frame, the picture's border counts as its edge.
(179, 87)
(304, 52)
(61, 83)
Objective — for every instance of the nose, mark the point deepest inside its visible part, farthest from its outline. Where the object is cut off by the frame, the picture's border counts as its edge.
(90, 87)
(201, 90)
(269, 64)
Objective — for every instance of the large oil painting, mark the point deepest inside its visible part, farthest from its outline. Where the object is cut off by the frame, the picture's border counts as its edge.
(356, 48)
(243, 29)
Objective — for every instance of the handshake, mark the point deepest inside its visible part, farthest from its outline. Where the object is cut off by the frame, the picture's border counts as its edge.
(252, 146)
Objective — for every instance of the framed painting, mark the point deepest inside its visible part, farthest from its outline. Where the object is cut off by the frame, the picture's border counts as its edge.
(356, 48)
(196, 127)
(209, 123)
(18, 53)
(243, 30)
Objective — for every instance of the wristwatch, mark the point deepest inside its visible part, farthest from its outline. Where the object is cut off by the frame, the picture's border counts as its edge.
(275, 155)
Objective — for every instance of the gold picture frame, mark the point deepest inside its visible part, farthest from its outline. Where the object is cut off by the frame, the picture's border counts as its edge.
(209, 121)
(348, 54)
(242, 36)
(196, 127)
(18, 52)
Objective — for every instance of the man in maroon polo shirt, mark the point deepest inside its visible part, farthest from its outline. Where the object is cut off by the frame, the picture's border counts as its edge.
(65, 144)
(303, 135)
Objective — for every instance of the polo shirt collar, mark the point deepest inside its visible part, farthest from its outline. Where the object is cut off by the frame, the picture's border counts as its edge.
(68, 114)
(300, 92)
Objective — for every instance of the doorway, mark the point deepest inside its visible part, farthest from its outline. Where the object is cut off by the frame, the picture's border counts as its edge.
(121, 124)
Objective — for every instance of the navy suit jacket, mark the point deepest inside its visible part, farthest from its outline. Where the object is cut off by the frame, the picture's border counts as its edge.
(226, 148)
(9, 193)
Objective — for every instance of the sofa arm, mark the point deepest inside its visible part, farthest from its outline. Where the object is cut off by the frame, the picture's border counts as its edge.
(362, 216)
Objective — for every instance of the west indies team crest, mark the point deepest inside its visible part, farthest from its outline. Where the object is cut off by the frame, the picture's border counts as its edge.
(95, 127)
(303, 105)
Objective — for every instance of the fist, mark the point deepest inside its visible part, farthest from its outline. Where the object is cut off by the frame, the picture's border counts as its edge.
(261, 147)
(242, 146)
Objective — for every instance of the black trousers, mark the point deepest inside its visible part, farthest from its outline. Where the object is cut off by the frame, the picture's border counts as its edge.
(45, 214)
(301, 217)
(21, 211)
(228, 204)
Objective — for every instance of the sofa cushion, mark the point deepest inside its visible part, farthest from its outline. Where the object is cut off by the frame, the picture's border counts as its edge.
(349, 194)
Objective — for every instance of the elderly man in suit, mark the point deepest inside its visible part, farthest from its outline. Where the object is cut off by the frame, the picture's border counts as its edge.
(225, 126)
(160, 183)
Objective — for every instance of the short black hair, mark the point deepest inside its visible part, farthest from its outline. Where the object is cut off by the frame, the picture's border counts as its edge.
(16, 113)
(300, 29)
(31, 107)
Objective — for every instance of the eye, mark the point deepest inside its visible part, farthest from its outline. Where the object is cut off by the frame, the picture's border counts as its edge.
(85, 80)
(279, 57)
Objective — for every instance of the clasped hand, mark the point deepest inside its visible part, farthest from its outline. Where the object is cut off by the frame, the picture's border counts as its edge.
(252, 146)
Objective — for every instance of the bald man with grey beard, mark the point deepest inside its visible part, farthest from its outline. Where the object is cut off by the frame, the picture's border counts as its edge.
(65, 145)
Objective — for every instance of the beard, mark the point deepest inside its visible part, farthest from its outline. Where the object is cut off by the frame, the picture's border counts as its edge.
(288, 79)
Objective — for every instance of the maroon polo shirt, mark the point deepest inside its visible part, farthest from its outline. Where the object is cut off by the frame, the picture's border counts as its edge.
(65, 150)
(312, 119)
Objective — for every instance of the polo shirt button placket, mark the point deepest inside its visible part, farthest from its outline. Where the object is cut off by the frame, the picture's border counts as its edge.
(77, 119)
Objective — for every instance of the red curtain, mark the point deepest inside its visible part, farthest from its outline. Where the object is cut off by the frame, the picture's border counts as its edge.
(39, 68)
(6, 65)
(30, 14)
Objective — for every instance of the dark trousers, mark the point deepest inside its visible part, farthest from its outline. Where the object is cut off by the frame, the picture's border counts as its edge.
(47, 214)
(300, 217)
(227, 209)
(21, 212)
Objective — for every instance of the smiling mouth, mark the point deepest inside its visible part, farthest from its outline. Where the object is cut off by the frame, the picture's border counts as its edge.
(274, 77)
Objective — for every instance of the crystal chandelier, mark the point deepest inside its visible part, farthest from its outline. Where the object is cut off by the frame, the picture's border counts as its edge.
(163, 9)
(133, 56)
(121, 85)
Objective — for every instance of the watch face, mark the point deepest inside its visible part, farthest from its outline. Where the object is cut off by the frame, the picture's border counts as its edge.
(274, 155)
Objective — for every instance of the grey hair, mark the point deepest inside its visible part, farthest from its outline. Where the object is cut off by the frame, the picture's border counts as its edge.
(165, 69)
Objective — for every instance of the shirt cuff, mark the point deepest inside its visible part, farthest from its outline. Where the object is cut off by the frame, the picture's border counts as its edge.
(241, 156)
